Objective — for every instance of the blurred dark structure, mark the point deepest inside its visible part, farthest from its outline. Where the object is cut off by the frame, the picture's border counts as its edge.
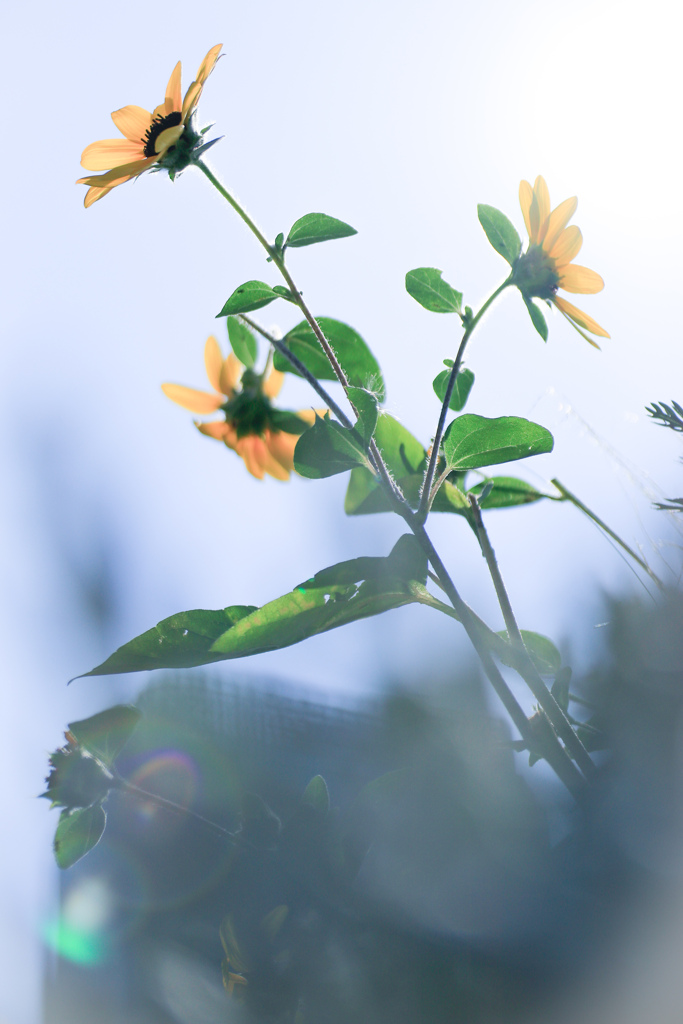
(448, 901)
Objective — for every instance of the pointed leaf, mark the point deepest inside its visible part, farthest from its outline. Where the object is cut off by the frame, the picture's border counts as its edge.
(106, 733)
(316, 795)
(356, 359)
(542, 652)
(474, 441)
(248, 297)
(406, 561)
(461, 390)
(242, 341)
(433, 293)
(537, 318)
(317, 227)
(500, 232)
(506, 492)
(77, 833)
(287, 620)
(327, 448)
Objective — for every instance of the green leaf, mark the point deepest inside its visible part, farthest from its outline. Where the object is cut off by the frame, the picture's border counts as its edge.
(180, 641)
(560, 688)
(317, 227)
(537, 318)
(242, 341)
(406, 561)
(507, 491)
(404, 457)
(429, 289)
(461, 390)
(356, 359)
(500, 232)
(248, 297)
(327, 448)
(365, 404)
(474, 441)
(77, 833)
(106, 733)
(542, 652)
(316, 795)
(290, 422)
(285, 621)
(285, 293)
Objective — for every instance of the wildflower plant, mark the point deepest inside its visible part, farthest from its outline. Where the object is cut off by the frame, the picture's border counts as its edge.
(390, 471)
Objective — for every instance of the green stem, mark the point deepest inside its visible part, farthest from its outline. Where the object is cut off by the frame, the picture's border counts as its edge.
(426, 494)
(170, 805)
(525, 665)
(569, 496)
(552, 750)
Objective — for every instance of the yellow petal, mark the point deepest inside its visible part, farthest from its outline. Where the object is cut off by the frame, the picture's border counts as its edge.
(168, 138)
(117, 175)
(579, 317)
(93, 194)
(581, 279)
(557, 222)
(526, 195)
(132, 122)
(543, 200)
(272, 386)
(231, 371)
(219, 430)
(252, 450)
(192, 399)
(191, 100)
(208, 64)
(566, 247)
(100, 156)
(173, 95)
(213, 361)
(281, 446)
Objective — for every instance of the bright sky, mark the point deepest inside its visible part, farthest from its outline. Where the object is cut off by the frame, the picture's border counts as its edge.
(394, 119)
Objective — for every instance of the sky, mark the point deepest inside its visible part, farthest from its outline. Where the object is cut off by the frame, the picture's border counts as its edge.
(399, 121)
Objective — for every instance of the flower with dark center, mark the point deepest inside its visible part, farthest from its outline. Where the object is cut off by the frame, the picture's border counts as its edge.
(164, 137)
(263, 436)
(547, 263)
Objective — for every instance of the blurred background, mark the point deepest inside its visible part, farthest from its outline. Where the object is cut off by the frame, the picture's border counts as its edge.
(116, 513)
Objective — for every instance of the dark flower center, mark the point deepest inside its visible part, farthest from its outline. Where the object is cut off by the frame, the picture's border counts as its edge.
(159, 125)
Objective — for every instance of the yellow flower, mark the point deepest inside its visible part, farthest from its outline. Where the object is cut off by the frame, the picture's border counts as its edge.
(148, 138)
(547, 263)
(252, 427)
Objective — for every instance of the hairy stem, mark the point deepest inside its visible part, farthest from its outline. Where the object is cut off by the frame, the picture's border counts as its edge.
(426, 494)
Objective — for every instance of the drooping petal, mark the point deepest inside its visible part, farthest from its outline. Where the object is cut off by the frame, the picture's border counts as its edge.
(281, 446)
(272, 386)
(252, 450)
(100, 156)
(526, 195)
(557, 222)
(581, 280)
(208, 64)
(219, 430)
(167, 138)
(213, 361)
(132, 122)
(566, 247)
(93, 194)
(117, 175)
(543, 200)
(190, 398)
(579, 317)
(231, 371)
